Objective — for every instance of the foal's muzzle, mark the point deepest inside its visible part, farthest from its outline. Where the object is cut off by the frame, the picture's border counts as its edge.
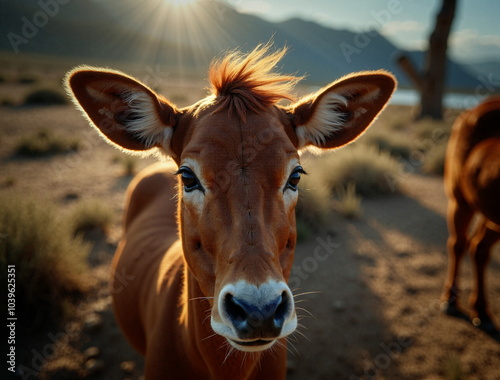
(253, 317)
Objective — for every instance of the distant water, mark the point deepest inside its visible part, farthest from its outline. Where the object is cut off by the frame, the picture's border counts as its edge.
(451, 100)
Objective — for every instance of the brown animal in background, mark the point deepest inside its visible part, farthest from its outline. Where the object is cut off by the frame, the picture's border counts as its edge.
(215, 303)
(472, 182)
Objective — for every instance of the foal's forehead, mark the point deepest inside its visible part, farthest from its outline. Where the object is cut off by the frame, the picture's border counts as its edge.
(217, 138)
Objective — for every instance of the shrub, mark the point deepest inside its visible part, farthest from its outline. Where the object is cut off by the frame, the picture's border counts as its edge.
(27, 79)
(45, 96)
(434, 130)
(369, 169)
(394, 118)
(348, 203)
(432, 139)
(434, 160)
(312, 206)
(50, 264)
(396, 144)
(7, 102)
(91, 215)
(44, 142)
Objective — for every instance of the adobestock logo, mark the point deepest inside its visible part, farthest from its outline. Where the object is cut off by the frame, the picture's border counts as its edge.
(379, 19)
(31, 26)
(302, 270)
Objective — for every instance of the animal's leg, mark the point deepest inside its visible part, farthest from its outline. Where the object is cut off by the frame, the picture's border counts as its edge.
(459, 218)
(480, 247)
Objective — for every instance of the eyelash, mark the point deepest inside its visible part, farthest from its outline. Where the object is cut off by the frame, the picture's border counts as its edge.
(189, 180)
(294, 179)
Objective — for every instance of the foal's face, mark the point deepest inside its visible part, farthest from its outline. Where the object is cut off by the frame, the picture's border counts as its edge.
(238, 175)
(237, 201)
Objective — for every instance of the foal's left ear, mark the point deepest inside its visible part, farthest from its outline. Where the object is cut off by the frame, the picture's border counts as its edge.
(125, 111)
(340, 112)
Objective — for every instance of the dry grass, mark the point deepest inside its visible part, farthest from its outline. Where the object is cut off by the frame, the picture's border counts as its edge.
(91, 215)
(313, 206)
(50, 264)
(348, 202)
(365, 166)
(44, 143)
(395, 143)
(347, 174)
(434, 160)
(420, 144)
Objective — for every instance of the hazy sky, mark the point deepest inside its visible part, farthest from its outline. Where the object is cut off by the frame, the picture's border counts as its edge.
(406, 23)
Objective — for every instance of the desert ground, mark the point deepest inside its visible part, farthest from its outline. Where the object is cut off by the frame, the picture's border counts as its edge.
(371, 303)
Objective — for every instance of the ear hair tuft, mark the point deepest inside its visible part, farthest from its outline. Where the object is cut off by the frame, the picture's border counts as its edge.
(329, 117)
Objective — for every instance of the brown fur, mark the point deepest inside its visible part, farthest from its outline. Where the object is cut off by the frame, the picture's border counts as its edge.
(472, 182)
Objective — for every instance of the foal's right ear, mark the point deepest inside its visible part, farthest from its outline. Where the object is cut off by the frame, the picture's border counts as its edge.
(125, 111)
(340, 112)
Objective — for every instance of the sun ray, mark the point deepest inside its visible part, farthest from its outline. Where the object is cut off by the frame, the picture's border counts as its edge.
(171, 40)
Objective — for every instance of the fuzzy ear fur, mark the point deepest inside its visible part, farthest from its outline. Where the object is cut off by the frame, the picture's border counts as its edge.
(342, 111)
(125, 111)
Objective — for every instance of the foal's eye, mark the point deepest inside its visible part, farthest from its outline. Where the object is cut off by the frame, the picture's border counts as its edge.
(294, 179)
(189, 179)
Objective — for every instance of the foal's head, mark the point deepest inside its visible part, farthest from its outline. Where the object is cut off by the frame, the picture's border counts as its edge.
(239, 169)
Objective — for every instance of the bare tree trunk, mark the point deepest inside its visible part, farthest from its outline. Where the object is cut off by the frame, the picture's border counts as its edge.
(430, 83)
(431, 95)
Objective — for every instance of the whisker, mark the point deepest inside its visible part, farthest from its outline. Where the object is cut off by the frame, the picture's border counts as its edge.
(210, 336)
(285, 346)
(274, 349)
(302, 334)
(208, 316)
(299, 301)
(307, 311)
(306, 293)
(302, 326)
(201, 298)
(230, 352)
(296, 353)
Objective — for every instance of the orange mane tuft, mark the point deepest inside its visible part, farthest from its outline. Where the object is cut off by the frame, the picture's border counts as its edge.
(247, 83)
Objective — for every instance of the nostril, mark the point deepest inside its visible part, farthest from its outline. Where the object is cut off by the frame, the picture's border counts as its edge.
(234, 310)
(282, 309)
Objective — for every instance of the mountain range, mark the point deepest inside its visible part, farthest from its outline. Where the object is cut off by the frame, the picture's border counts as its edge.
(110, 31)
